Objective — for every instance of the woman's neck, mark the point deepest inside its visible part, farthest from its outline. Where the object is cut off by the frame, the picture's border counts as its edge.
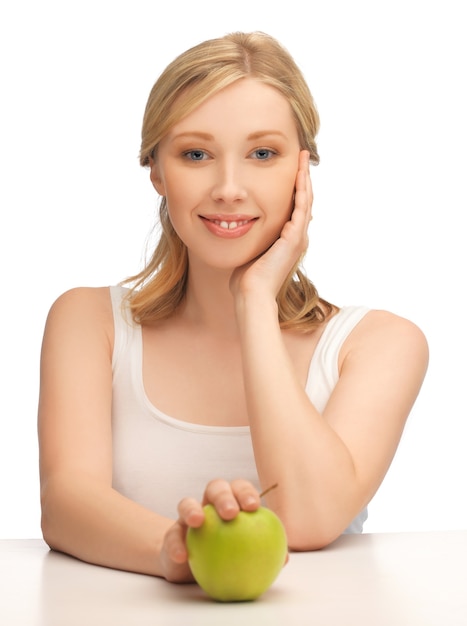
(209, 302)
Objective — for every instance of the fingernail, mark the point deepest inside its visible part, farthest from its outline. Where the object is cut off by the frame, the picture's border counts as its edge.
(250, 501)
(230, 507)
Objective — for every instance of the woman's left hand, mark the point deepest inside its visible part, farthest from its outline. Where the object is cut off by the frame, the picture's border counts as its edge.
(267, 273)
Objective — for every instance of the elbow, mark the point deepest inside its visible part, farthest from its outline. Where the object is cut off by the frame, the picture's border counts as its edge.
(50, 525)
(47, 534)
(310, 541)
(48, 528)
(306, 537)
(46, 521)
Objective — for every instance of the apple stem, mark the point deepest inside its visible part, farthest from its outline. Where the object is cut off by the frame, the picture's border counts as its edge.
(261, 495)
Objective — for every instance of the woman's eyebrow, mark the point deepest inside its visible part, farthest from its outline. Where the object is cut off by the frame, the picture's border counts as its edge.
(263, 133)
(194, 133)
(208, 137)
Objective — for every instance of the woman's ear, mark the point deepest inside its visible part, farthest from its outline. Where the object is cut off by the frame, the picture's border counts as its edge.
(156, 177)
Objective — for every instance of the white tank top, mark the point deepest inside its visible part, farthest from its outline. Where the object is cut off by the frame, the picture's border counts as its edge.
(158, 460)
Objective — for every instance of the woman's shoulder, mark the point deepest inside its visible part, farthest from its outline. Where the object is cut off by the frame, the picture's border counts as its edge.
(384, 331)
(88, 308)
(81, 299)
(388, 323)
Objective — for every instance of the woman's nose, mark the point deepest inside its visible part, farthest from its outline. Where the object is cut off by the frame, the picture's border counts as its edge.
(229, 183)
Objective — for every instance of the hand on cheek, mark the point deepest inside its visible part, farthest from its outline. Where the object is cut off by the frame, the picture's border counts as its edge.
(303, 197)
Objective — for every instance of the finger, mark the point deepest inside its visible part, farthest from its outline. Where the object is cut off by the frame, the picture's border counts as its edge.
(190, 512)
(246, 494)
(303, 214)
(305, 183)
(174, 542)
(303, 194)
(300, 194)
(309, 192)
(303, 197)
(219, 493)
(304, 160)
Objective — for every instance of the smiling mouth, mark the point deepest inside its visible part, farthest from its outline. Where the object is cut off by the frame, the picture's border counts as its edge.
(230, 227)
(229, 223)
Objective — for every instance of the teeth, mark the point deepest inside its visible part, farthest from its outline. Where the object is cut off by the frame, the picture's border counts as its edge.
(230, 225)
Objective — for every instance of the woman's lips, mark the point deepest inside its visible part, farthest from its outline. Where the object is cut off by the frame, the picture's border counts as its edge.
(228, 227)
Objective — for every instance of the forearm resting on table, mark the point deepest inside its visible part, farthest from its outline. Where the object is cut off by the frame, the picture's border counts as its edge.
(94, 523)
(318, 493)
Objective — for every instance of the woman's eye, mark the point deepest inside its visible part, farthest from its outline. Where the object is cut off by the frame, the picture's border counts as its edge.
(263, 154)
(195, 155)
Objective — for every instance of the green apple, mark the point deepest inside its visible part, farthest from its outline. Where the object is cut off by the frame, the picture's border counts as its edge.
(237, 560)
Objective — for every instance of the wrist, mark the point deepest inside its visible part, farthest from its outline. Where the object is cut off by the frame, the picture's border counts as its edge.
(258, 307)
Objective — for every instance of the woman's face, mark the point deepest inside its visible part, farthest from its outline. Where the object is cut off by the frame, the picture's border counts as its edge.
(228, 173)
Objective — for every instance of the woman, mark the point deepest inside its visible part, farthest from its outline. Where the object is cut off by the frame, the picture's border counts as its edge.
(219, 371)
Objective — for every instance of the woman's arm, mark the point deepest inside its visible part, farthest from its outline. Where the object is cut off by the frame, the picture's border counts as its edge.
(328, 465)
(81, 514)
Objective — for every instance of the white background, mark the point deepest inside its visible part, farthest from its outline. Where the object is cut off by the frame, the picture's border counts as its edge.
(389, 80)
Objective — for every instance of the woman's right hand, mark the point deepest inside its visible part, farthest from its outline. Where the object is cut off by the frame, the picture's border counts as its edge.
(228, 499)
(265, 275)
(174, 556)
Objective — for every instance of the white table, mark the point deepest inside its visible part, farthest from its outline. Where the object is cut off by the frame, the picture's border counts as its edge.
(400, 579)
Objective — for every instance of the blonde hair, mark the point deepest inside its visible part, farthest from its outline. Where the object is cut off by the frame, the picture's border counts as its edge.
(185, 84)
